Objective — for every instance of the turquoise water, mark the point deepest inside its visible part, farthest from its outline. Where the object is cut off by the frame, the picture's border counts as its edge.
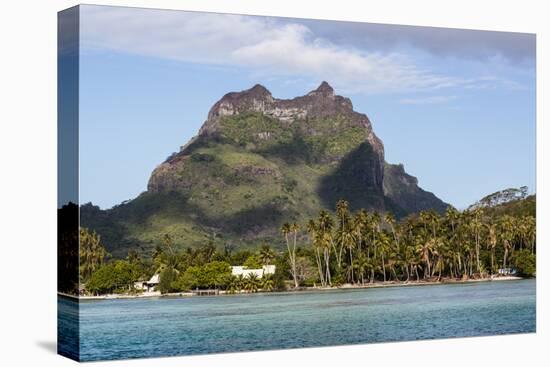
(117, 329)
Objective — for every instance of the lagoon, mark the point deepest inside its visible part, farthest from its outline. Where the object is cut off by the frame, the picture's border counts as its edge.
(136, 328)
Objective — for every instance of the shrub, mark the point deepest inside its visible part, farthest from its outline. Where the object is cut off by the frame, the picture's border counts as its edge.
(214, 274)
(117, 276)
(167, 281)
(525, 263)
(253, 262)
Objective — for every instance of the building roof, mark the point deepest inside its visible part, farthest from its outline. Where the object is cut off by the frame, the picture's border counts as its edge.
(155, 279)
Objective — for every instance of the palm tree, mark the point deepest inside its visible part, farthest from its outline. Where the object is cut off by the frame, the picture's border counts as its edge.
(451, 219)
(342, 212)
(232, 287)
(266, 255)
(313, 233)
(375, 229)
(251, 283)
(529, 226)
(507, 233)
(440, 252)
(294, 227)
(424, 218)
(456, 244)
(360, 222)
(424, 249)
(362, 265)
(92, 253)
(410, 261)
(451, 215)
(476, 227)
(267, 283)
(285, 230)
(240, 281)
(375, 226)
(325, 241)
(464, 238)
(506, 245)
(383, 244)
(492, 244)
(347, 240)
(343, 218)
(531, 232)
(390, 220)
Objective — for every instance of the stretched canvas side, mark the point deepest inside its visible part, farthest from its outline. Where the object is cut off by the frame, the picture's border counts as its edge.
(67, 197)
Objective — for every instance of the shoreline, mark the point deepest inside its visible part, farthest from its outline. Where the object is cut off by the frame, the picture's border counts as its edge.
(387, 284)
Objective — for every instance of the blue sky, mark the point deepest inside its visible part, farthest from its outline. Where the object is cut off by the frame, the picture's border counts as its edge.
(456, 107)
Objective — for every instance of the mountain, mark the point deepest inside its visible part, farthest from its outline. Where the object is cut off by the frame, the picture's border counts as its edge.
(257, 162)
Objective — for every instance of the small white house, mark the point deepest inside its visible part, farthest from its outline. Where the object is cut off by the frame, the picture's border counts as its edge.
(149, 285)
(245, 272)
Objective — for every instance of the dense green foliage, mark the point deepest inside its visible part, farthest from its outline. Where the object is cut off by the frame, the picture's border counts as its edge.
(199, 268)
(340, 247)
(366, 246)
(515, 208)
(68, 258)
(525, 263)
(167, 278)
(92, 253)
(210, 275)
(117, 276)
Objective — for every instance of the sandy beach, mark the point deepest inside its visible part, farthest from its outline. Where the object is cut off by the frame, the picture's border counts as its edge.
(301, 289)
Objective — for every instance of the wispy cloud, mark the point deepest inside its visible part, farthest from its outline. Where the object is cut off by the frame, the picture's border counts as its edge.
(427, 100)
(267, 46)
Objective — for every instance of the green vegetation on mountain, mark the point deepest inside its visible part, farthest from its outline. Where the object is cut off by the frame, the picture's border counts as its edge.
(257, 162)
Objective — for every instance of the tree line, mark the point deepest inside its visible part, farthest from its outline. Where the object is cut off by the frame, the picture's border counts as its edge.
(368, 246)
(204, 267)
(331, 249)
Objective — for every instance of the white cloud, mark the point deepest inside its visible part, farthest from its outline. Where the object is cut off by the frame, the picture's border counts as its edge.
(427, 100)
(264, 45)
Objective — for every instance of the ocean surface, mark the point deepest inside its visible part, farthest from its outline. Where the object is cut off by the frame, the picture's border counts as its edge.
(136, 328)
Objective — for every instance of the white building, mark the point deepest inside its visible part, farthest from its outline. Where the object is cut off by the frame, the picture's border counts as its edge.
(245, 272)
(507, 271)
(149, 285)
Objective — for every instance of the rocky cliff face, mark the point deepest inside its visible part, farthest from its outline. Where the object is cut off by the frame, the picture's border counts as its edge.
(403, 189)
(257, 162)
(317, 116)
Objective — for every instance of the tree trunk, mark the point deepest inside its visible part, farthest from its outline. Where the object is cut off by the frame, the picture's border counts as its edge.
(394, 274)
(294, 261)
(505, 257)
(327, 264)
(319, 267)
(477, 254)
(383, 266)
(351, 264)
